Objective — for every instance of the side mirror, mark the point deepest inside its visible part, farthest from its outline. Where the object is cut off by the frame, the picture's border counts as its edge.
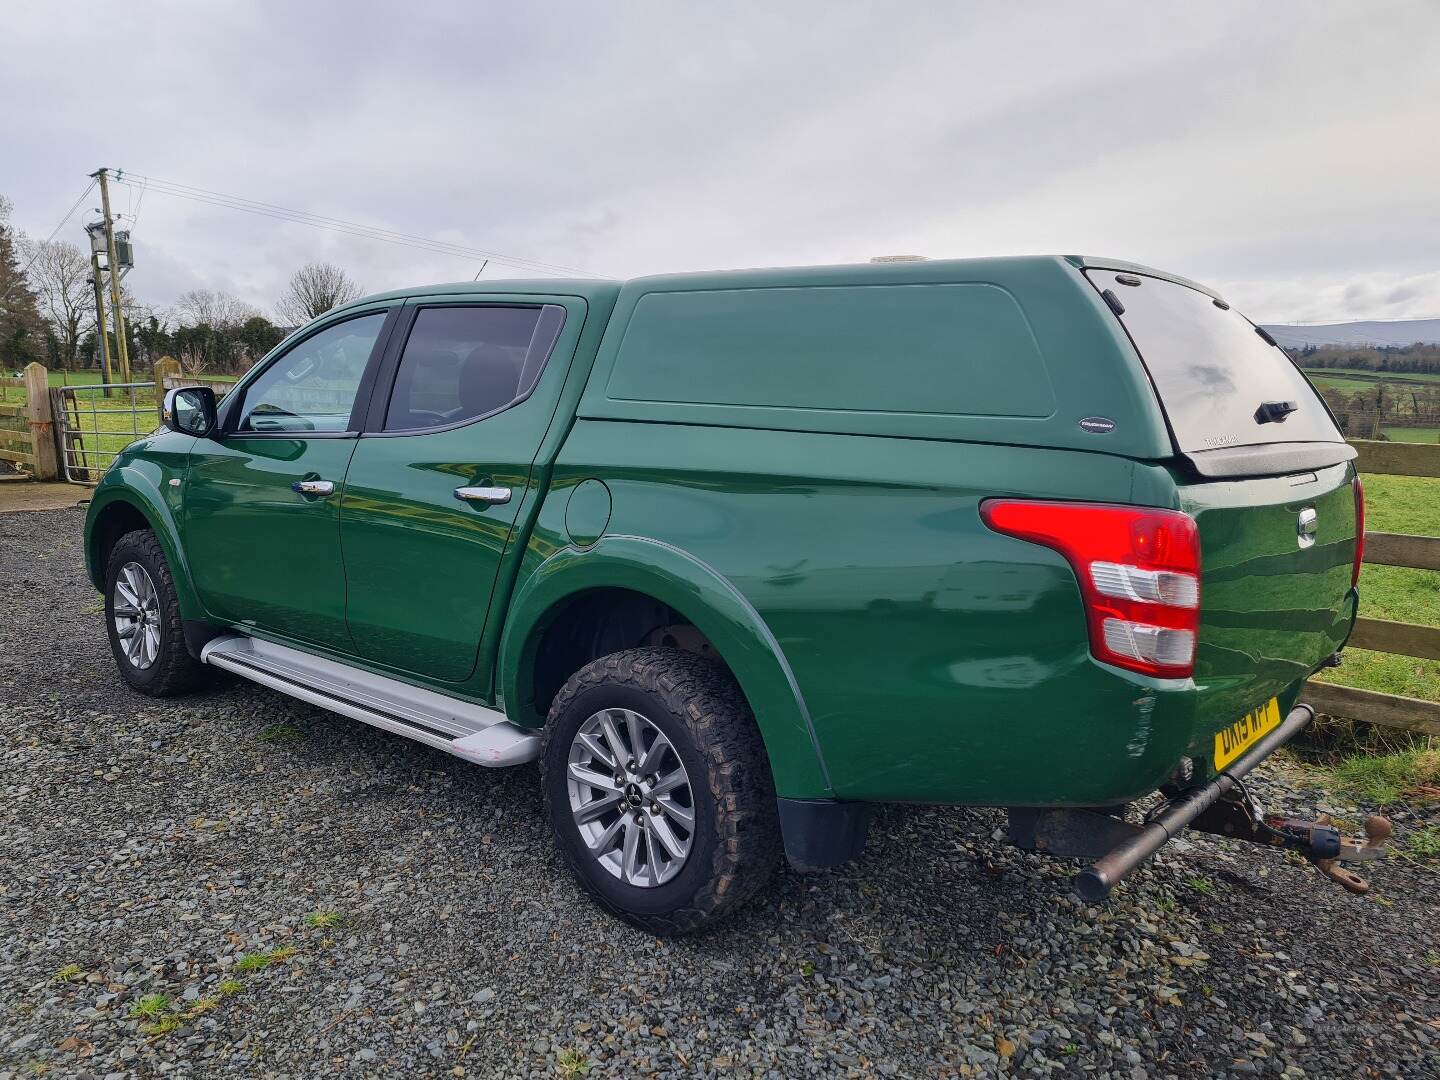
(190, 410)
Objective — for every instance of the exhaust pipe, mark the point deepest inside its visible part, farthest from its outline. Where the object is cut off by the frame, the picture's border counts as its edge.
(1094, 883)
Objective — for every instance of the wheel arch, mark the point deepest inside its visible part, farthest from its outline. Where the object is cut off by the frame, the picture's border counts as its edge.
(705, 599)
(116, 510)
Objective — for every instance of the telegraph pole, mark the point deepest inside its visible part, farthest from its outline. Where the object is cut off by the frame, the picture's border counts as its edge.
(100, 331)
(122, 351)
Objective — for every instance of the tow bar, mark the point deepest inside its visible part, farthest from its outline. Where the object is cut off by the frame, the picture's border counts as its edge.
(1222, 807)
(1319, 841)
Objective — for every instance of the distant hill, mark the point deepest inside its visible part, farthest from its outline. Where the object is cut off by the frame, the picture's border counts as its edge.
(1397, 332)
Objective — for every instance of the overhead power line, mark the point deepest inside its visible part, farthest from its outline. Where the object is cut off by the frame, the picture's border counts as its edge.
(338, 225)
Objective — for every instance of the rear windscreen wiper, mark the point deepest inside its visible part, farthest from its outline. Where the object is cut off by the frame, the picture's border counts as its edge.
(1274, 411)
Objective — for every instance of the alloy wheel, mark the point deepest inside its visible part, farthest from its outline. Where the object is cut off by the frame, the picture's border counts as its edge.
(137, 615)
(631, 797)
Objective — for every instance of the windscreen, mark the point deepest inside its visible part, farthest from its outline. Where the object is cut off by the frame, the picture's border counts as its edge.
(1221, 384)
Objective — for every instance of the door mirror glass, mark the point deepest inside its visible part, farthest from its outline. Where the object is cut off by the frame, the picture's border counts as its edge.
(190, 410)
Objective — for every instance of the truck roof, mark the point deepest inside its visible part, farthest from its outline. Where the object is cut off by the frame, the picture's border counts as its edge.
(550, 286)
(919, 271)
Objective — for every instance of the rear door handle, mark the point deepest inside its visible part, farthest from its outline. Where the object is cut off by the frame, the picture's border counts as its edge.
(496, 496)
(313, 487)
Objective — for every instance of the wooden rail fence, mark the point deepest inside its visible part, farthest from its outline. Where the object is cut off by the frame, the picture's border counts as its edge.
(1383, 635)
(27, 426)
(168, 376)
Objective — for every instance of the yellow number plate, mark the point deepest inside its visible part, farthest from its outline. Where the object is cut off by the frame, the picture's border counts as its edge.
(1245, 733)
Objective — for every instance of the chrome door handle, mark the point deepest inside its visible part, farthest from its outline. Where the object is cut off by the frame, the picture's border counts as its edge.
(313, 487)
(493, 495)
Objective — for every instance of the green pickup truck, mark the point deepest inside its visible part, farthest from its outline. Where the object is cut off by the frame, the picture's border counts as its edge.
(735, 556)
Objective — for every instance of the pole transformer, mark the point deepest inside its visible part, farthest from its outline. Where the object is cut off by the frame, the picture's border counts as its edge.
(122, 351)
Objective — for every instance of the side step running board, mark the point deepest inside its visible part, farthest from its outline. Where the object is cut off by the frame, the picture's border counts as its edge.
(462, 728)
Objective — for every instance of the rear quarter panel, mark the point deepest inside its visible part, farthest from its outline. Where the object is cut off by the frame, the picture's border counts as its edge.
(938, 661)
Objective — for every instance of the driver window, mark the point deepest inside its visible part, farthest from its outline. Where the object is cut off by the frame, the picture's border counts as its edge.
(464, 362)
(313, 386)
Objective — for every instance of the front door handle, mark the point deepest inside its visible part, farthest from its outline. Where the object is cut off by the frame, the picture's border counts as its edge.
(496, 496)
(313, 487)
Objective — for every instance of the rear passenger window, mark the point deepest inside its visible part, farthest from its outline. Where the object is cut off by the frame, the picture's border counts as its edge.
(461, 363)
(959, 350)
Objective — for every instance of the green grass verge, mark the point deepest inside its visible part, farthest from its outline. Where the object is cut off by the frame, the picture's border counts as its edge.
(1412, 434)
(1397, 504)
(1387, 778)
(1387, 673)
(1402, 504)
(1425, 842)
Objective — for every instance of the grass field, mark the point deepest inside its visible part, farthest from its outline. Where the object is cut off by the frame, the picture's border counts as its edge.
(1412, 434)
(1351, 384)
(1351, 381)
(113, 426)
(1399, 504)
(1376, 376)
(82, 378)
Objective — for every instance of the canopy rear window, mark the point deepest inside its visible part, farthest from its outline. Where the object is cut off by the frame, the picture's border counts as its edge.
(1215, 375)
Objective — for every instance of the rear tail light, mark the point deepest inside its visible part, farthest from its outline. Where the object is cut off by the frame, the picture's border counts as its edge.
(1138, 570)
(1359, 531)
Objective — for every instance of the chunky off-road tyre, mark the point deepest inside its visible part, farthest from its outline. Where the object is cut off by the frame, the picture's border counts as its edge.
(688, 717)
(142, 617)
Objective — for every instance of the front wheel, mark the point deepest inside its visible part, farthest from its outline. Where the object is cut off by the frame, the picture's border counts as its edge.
(142, 616)
(659, 789)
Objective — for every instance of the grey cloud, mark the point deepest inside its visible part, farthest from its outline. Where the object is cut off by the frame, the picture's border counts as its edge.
(1275, 150)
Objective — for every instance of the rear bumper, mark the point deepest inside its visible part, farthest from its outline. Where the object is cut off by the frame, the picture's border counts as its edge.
(1095, 881)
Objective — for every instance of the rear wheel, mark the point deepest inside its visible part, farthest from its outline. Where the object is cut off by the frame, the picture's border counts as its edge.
(659, 789)
(142, 616)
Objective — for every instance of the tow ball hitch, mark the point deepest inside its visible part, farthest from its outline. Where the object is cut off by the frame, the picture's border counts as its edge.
(1223, 807)
(1319, 841)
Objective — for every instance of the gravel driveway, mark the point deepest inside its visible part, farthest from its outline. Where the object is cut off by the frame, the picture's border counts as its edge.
(176, 848)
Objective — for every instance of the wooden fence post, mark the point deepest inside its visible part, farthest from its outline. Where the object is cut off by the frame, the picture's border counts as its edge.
(42, 422)
(165, 367)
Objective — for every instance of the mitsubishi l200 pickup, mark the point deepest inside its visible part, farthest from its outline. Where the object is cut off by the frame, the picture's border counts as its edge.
(736, 556)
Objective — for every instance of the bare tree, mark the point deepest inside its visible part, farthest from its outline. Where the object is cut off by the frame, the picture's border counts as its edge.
(315, 289)
(215, 309)
(60, 277)
(215, 331)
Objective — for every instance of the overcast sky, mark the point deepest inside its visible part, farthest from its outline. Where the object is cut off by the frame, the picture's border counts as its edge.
(1285, 152)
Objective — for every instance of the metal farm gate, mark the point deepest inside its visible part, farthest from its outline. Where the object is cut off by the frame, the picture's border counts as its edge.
(94, 423)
